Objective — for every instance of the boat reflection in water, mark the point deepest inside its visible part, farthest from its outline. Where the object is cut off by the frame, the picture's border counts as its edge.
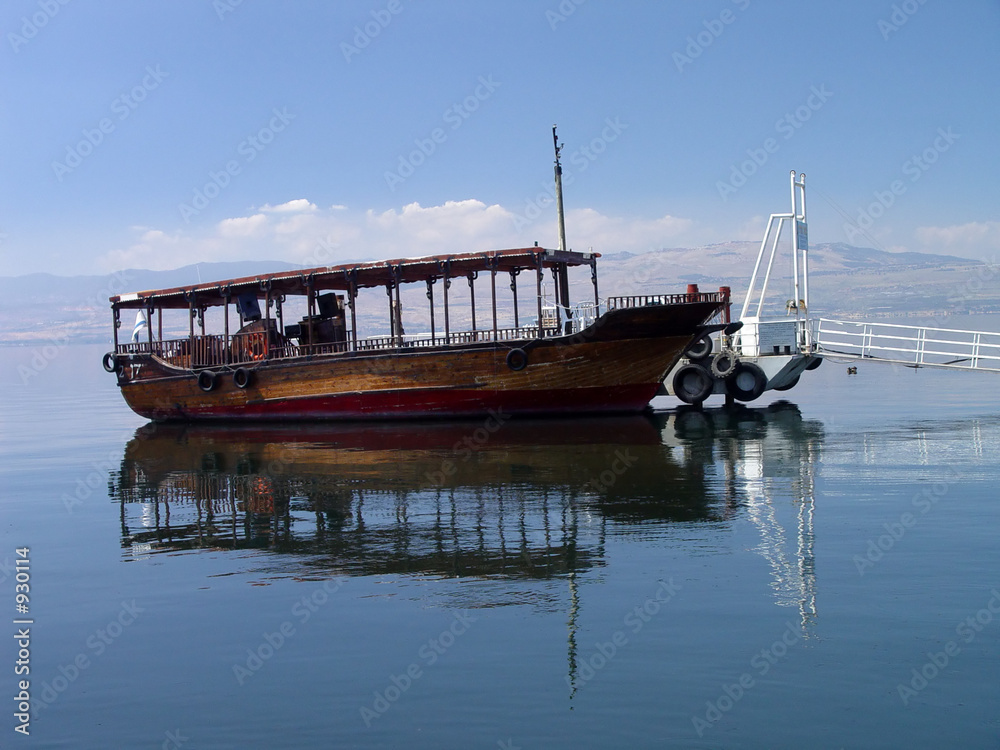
(529, 499)
(495, 499)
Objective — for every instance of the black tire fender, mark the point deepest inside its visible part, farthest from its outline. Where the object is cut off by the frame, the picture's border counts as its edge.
(206, 380)
(242, 377)
(814, 362)
(700, 349)
(692, 384)
(109, 362)
(747, 382)
(517, 359)
(723, 364)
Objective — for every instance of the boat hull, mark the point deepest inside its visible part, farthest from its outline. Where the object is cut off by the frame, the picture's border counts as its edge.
(614, 366)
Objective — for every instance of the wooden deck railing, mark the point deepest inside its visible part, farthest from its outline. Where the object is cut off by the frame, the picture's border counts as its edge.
(641, 300)
(213, 350)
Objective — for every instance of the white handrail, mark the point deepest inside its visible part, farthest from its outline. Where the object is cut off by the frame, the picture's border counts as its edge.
(921, 346)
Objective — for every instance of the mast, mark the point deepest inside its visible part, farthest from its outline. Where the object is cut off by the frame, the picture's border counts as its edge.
(559, 195)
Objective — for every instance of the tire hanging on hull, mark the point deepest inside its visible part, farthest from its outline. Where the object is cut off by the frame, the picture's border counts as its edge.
(747, 382)
(692, 384)
(206, 380)
(700, 349)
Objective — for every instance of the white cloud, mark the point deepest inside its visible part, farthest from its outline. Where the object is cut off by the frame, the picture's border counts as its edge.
(295, 206)
(300, 232)
(587, 228)
(243, 226)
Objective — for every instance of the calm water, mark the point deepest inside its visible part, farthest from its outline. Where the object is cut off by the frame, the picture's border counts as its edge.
(823, 573)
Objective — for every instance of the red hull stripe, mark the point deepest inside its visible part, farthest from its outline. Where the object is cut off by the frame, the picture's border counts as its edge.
(414, 404)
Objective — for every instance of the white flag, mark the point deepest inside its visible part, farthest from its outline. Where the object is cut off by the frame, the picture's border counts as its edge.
(140, 323)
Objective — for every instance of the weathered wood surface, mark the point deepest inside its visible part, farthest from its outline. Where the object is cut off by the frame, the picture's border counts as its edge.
(616, 365)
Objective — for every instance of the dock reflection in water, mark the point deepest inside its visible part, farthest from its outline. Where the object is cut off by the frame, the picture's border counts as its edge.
(528, 499)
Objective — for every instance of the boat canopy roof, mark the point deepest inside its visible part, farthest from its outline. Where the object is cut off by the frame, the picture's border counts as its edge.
(354, 276)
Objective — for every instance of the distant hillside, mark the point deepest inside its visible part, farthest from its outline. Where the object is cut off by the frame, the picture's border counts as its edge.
(41, 306)
(844, 281)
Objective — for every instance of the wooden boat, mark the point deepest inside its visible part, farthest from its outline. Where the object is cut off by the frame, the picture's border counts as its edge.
(609, 356)
(599, 357)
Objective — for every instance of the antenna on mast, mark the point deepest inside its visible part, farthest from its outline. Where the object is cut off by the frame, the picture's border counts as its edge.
(559, 195)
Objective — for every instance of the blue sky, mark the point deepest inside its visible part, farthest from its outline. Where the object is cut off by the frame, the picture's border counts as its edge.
(156, 134)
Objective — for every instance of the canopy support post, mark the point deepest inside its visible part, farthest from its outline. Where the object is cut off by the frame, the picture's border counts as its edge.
(225, 340)
(513, 291)
(538, 292)
(472, 296)
(191, 330)
(563, 276)
(430, 299)
(493, 293)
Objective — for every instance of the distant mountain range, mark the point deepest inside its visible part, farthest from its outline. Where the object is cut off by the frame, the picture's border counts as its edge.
(844, 281)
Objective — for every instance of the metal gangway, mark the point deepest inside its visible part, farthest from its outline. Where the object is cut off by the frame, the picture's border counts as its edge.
(913, 346)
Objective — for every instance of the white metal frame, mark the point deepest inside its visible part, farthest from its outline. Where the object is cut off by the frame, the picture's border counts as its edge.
(796, 220)
(800, 249)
